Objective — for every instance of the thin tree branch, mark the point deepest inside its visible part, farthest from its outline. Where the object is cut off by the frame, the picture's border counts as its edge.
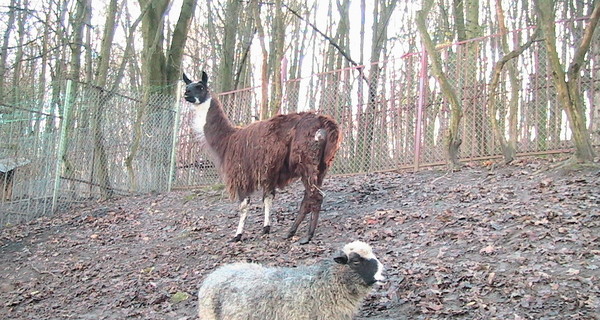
(329, 39)
(128, 48)
(511, 55)
(493, 87)
(584, 46)
(243, 61)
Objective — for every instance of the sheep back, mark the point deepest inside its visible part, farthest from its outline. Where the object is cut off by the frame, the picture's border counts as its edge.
(247, 291)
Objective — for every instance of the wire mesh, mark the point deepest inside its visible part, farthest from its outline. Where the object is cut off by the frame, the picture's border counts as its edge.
(393, 116)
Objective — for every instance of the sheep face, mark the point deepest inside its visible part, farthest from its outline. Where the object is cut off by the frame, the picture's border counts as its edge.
(360, 258)
(196, 92)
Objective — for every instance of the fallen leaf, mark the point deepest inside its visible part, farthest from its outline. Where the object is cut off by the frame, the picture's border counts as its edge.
(491, 277)
(572, 272)
(179, 296)
(489, 249)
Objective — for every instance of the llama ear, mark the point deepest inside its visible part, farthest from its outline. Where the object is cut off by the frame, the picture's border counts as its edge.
(204, 77)
(341, 258)
(186, 79)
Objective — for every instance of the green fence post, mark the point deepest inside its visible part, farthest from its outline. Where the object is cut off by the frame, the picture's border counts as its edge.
(62, 143)
(176, 126)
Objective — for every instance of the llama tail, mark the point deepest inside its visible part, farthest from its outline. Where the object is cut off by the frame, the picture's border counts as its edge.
(331, 138)
(315, 156)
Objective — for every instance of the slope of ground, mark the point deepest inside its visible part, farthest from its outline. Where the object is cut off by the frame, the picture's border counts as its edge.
(514, 242)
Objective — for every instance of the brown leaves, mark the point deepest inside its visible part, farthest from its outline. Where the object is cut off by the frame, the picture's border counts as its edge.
(489, 249)
(518, 242)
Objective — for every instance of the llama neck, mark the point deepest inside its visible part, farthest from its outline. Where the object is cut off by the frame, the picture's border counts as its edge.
(200, 114)
(213, 126)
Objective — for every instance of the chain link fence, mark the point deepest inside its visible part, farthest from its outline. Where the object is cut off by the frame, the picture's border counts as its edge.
(27, 163)
(393, 116)
(103, 144)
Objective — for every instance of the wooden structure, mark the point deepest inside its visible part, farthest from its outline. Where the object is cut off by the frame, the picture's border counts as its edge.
(8, 166)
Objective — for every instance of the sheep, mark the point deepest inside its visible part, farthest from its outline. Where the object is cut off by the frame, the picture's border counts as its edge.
(332, 289)
(266, 154)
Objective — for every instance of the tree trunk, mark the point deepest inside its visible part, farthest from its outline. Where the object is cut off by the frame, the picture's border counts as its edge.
(42, 82)
(295, 71)
(508, 147)
(264, 70)
(100, 165)
(275, 57)
(18, 65)
(381, 16)
(161, 71)
(4, 48)
(334, 95)
(453, 140)
(568, 91)
(77, 20)
(230, 30)
(469, 92)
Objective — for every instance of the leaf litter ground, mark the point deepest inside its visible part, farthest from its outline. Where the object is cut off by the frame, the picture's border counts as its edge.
(510, 242)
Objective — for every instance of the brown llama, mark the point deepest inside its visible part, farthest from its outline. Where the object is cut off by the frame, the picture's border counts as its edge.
(266, 154)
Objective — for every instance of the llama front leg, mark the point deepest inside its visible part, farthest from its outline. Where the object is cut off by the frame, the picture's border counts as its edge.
(244, 205)
(268, 204)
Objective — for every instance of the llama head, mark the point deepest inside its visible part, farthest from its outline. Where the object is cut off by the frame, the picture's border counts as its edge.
(360, 258)
(196, 92)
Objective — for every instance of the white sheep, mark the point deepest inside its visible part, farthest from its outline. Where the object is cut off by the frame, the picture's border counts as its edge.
(332, 289)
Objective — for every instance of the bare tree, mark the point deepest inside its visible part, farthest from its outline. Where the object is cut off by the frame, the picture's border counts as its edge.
(301, 37)
(264, 67)
(453, 140)
(382, 13)
(100, 165)
(567, 83)
(77, 21)
(226, 66)
(335, 97)
(276, 56)
(161, 71)
(58, 69)
(509, 148)
(4, 49)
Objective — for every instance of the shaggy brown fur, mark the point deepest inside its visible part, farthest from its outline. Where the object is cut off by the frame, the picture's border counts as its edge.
(270, 154)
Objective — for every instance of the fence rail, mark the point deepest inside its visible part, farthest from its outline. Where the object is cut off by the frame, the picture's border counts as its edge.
(111, 143)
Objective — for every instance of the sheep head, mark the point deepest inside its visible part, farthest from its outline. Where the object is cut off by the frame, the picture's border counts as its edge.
(360, 258)
(196, 92)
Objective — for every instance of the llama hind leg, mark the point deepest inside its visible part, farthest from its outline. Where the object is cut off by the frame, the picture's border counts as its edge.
(315, 201)
(311, 203)
(304, 209)
(268, 204)
(244, 205)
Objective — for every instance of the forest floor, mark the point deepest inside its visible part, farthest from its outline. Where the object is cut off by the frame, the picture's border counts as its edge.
(486, 242)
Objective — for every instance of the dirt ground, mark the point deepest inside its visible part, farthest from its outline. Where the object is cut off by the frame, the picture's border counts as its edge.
(485, 242)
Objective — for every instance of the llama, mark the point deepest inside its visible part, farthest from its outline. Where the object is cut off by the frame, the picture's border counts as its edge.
(266, 155)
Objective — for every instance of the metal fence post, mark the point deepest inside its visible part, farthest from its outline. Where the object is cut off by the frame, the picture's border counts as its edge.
(62, 142)
(176, 125)
(420, 104)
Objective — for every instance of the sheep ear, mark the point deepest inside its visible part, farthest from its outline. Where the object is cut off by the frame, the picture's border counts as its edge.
(341, 258)
(186, 79)
(204, 77)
